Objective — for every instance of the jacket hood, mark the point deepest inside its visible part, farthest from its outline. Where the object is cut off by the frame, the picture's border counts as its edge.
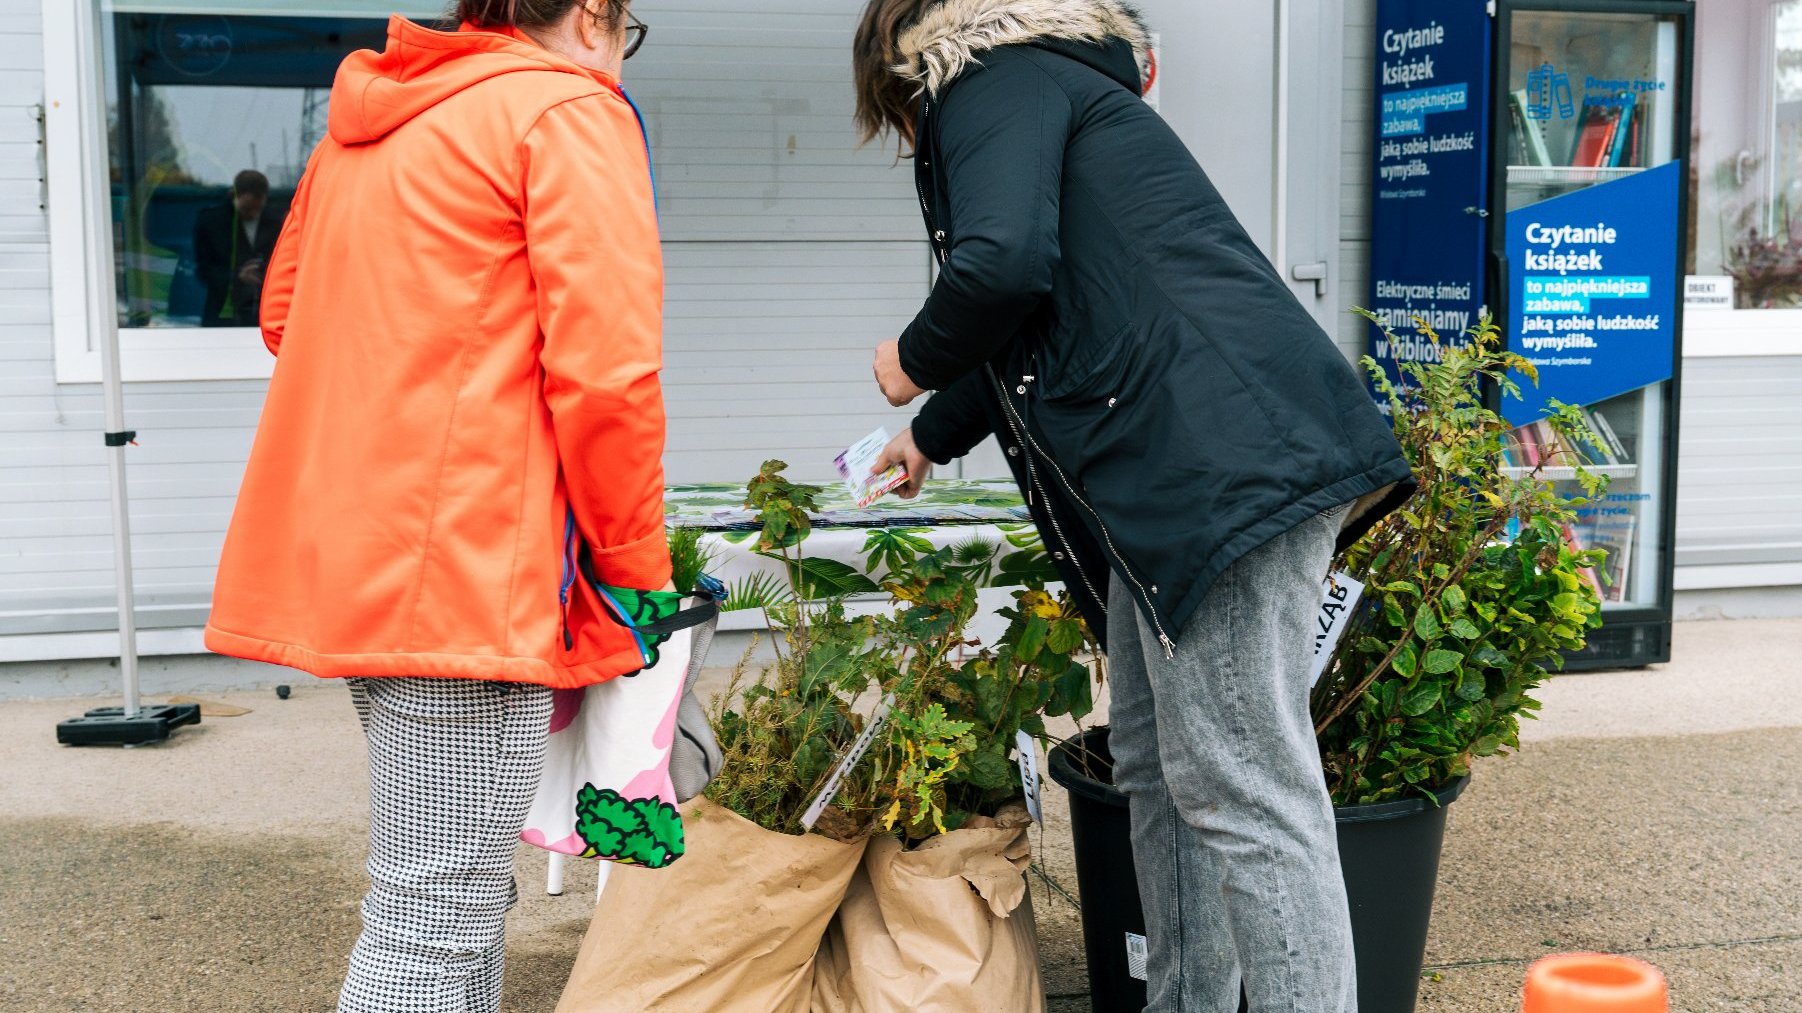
(949, 37)
(375, 93)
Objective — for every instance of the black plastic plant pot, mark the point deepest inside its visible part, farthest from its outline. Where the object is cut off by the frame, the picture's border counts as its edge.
(1390, 853)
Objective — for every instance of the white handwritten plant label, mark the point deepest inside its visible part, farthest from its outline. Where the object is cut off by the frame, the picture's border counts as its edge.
(1336, 604)
(1029, 774)
(848, 763)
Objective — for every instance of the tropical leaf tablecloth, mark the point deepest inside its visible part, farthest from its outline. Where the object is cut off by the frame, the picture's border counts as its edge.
(852, 550)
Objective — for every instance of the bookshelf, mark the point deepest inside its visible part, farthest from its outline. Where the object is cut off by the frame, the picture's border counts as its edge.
(1569, 474)
(1590, 109)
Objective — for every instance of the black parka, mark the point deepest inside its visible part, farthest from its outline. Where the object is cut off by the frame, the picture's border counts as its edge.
(1164, 400)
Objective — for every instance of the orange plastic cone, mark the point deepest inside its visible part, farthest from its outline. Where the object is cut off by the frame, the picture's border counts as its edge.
(1594, 983)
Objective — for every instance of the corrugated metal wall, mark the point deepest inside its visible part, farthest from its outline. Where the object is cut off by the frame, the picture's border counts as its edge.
(790, 254)
(1739, 497)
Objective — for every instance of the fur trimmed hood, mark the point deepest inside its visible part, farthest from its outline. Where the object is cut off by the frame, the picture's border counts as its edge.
(948, 38)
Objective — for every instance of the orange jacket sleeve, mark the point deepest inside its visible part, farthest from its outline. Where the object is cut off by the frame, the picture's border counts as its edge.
(591, 237)
(284, 263)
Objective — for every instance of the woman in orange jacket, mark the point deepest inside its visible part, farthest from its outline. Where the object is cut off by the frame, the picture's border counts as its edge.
(466, 309)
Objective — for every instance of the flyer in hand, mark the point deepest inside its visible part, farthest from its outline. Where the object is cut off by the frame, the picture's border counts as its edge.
(854, 466)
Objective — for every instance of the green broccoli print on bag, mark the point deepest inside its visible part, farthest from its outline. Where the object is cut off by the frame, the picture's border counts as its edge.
(644, 831)
(639, 609)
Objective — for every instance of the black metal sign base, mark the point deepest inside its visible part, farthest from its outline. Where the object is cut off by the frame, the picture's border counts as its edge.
(108, 726)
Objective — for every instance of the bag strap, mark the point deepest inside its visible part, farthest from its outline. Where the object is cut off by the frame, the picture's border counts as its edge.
(709, 592)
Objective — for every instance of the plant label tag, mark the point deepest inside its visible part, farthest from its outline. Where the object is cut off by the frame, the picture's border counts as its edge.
(1028, 748)
(1138, 957)
(854, 467)
(848, 762)
(1337, 602)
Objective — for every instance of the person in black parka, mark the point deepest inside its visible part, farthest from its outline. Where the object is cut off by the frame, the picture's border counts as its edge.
(1194, 448)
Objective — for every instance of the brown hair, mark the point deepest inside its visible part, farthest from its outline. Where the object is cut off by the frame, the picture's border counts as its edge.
(534, 13)
(885, 101)
(250, 183)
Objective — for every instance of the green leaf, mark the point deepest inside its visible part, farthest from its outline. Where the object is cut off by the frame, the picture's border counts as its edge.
(1422, 698)
(1464, 629)
(1032, 640)
(1072, 693)
(1439, 662)
(1426, 624)
(1473, 686)
(989, 769)
(1407, 661)
(1066, 636)
(1455, 601)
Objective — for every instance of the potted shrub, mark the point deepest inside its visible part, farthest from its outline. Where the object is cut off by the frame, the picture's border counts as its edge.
(1473, 596)
(938, 917)
(752, 904)
(935, 801)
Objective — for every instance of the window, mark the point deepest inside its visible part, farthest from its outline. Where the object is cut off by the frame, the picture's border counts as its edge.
(211, 109)
(1746, 264)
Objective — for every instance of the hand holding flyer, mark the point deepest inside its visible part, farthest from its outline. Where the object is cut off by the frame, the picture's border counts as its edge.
(855, 463)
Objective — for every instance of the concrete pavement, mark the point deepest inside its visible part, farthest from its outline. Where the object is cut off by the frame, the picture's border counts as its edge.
(1651, 812)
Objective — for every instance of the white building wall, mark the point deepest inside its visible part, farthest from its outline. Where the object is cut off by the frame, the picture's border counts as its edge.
(790, 254)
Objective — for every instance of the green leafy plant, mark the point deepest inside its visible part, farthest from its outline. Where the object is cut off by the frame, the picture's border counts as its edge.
(689, 557)
(782, 734)
(959, 706)
(1473, 590)
(955, 707)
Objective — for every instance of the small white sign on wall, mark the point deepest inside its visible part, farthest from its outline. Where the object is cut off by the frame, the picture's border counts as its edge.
(1708, 292)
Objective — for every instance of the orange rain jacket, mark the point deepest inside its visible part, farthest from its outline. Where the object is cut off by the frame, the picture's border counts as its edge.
(466, 307)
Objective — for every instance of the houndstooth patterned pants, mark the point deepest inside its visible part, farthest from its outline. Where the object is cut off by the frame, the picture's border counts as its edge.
(453, 766)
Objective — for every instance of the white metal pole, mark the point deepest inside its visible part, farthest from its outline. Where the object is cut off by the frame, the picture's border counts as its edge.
(103, 328)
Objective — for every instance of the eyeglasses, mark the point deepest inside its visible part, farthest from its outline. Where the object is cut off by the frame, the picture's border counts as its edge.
(636, 31)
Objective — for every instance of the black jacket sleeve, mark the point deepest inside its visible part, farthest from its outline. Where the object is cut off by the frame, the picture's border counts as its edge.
(954, 421)
(1001, 133)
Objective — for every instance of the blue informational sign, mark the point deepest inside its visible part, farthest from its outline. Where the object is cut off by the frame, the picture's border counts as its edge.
(1594, 288)
(1432, 168)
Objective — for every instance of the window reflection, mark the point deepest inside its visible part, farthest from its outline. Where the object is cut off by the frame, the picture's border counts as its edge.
(212, 120)
(1749, 150)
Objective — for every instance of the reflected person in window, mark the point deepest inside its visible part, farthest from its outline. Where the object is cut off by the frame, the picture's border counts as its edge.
(232, 246)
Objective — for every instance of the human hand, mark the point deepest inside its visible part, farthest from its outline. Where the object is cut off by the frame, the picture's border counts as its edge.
(896, 385)
(902, 452)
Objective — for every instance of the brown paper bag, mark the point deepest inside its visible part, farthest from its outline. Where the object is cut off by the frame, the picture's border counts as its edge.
(731, 928)
(947, 928)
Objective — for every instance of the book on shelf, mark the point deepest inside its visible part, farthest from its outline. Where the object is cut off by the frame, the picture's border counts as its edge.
(1615, 444)
(1636, 136)
(1529, 133)
(1597, 446)
(1597, 126)
(1613, 534)
(1623, 132)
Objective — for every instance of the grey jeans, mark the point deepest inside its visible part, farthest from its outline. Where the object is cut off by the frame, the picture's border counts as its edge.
(1233, 835)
